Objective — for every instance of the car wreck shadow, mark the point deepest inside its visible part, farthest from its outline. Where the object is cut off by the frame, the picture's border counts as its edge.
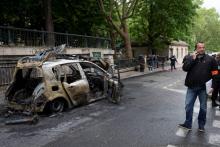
(13, 117)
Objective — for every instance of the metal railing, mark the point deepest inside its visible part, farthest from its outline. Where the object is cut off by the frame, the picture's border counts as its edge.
(7, 67)
(126, 63)
(6, 72)
(11, 36)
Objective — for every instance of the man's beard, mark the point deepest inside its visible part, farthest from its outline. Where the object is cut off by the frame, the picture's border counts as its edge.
(201, 52)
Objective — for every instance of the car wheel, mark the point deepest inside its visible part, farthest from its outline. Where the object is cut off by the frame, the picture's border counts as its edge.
(57, 106)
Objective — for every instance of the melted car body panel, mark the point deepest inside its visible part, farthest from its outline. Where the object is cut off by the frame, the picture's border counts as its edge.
(35, 84)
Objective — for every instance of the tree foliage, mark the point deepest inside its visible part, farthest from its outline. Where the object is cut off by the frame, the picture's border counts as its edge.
(81, 17)
(207, 28)
(152, 22)
(21, 13)
(72, 16)
(163, 21)
(124, 10)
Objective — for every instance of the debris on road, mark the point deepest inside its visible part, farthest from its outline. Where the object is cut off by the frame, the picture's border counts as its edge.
(29, 120)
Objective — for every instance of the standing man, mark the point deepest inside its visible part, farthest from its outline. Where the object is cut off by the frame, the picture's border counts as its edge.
(173, 62)
(150, 63)
(200, 68)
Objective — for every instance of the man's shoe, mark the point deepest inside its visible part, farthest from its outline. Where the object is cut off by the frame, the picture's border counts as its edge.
(184, 127)
(201, 129)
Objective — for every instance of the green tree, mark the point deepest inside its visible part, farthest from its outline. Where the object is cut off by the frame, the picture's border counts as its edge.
(139, 24)
(124, 10)
(169, 20)
(158, 22)
(72, 16)
(80, 17)
(21, 13)
(207, 28)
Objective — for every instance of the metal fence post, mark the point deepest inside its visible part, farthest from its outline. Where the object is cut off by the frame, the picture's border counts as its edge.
(67, 38)
(86, 42)
(9, 37)
(42, 35)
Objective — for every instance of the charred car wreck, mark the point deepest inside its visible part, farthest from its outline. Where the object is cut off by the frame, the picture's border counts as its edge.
(45, 83)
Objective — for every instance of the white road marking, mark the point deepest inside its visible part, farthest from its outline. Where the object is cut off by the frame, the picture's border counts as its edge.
(196, 109)
(182, 132)
(216, 123)
(175, 90)
(214, 139)
(217, 113)
(209, 104)
(194, 118)
(171, 145)
(197, 104)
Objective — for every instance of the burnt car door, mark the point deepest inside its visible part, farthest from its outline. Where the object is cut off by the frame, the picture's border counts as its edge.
(97, 79)
(100, 81)
(74, 84)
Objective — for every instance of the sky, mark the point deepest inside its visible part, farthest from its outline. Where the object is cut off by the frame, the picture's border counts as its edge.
(212, 3)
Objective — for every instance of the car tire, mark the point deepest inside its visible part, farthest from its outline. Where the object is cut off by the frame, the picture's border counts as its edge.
(57, 106)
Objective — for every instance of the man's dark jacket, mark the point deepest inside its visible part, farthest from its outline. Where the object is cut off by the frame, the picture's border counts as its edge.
(199, 70)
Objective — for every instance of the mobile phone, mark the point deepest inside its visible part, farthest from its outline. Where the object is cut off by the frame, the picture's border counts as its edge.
(195, 53)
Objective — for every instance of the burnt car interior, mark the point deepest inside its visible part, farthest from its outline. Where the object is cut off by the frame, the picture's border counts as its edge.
(94, 76)
(72, 73)
(24, 84)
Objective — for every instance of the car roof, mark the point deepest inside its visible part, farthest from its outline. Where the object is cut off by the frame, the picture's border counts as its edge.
(56, 62)
(52, 63)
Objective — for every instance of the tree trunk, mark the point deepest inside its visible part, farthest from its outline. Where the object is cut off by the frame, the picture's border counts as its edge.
(113, 39)
(127, 10)
(128, 48)
(127, 42)
(49, 22)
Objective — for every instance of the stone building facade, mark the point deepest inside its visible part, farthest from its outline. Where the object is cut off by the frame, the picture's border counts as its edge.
(179, 49)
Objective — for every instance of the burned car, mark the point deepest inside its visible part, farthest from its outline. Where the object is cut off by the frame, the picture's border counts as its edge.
(58, 84)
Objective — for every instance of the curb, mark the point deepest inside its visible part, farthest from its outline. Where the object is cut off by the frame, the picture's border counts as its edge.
(141, 74)
(145, 73)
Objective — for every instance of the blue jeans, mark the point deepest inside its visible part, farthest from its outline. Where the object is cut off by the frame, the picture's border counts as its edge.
(191, 96)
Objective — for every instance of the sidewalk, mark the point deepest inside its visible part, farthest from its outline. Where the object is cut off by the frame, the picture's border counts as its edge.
(130, 74)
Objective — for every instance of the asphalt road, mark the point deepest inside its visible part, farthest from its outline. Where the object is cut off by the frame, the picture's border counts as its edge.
(152, 106)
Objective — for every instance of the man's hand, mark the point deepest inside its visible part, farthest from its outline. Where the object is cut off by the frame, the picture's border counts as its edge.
(194, 55)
